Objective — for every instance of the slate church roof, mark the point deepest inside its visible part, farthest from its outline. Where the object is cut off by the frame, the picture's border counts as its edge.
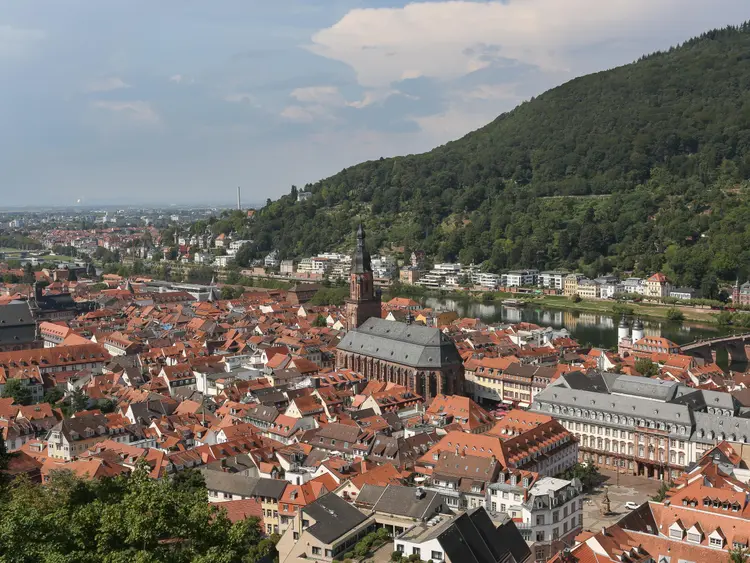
(407, 344)
(17, 326)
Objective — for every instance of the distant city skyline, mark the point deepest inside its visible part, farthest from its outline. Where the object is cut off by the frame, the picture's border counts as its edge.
(180, 102)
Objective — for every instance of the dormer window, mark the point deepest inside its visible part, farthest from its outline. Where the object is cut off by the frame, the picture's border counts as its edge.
(694, 535)
(716, 539)
(676, 532)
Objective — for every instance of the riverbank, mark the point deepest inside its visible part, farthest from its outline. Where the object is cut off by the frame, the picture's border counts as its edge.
(645, 310)
(654, 311)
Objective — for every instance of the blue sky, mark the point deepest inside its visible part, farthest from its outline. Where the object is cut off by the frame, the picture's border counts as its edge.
(183, 100)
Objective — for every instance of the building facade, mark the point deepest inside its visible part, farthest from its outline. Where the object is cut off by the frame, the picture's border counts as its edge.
(641, 426)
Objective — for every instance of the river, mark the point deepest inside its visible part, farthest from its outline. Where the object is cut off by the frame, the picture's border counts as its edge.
(587, 328)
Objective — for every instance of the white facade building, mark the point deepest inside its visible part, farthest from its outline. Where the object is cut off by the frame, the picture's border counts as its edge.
(551, 509)
(552, 279)
(518, 278)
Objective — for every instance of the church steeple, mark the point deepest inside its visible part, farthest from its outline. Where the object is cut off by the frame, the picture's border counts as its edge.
(364, 301)
(361, 262)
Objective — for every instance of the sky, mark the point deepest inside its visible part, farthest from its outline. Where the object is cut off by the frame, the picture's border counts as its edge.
(181, 101)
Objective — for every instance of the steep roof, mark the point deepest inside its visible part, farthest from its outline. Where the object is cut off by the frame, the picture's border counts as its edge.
(401, 343)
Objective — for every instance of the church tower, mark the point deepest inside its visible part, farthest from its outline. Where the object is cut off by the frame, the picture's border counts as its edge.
(364, 301)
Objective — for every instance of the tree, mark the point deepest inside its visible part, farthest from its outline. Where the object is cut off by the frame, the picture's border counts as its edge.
(106, 405)
(53, 395)
(78, 401)
(18, 390)
(320, 321)
(674, 314)
(28, 273)
(245, 255)
(587, 473)
(646, 367)
(189, 480)
(661, 494)
(739, 555)
(127, 518)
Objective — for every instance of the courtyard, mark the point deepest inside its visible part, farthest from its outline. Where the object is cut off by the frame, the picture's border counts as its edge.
(622, 489)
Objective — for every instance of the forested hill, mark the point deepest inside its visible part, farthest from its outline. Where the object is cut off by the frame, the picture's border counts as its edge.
(641, 167)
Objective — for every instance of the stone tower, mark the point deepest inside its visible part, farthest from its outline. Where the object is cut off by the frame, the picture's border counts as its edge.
(364, 301)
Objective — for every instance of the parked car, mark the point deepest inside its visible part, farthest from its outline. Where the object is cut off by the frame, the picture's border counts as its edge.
(630, 505)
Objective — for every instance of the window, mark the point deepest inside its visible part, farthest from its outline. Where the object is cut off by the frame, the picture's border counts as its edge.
(316, 550)
(416, 551)
(494, 507)
(305, 523)
(716, 542)
(329, 553)
(400, 547)
(694, 538)
(437, 556)
(295, 535)
(540, 536)
(540, 520)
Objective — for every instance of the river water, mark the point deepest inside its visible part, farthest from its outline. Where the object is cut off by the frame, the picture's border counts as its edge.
(587, 328)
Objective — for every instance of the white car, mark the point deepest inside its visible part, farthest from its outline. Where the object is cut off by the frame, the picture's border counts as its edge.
(630, 505)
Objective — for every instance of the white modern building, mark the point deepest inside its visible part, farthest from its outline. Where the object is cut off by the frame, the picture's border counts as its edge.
(518, 278)
(552, 279)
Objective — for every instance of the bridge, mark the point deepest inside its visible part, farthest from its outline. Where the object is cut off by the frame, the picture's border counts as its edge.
(736, 345)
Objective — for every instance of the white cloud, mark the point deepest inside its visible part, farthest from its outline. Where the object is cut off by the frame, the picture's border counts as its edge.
(314, 103)
(323, 95)
(106, 84)
(491, 92)
(455, 122)
(15, 41)
(375, 97)
(306, 114)
(447, 40)
(136, 111)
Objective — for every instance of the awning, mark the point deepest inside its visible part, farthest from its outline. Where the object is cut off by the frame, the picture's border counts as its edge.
(524, 405)
(507, 402)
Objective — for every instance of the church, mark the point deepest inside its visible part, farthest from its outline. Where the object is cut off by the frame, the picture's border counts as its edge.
(420, 358)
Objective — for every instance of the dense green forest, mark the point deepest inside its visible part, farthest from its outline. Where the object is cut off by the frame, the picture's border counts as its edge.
(644, 167)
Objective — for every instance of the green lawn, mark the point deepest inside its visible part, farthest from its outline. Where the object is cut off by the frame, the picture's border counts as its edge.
(642, 309)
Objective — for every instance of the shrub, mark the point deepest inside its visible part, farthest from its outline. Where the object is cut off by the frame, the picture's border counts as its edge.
(396, 556)
(674, 314)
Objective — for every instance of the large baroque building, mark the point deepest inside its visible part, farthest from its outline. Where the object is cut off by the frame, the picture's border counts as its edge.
(422, 359)
(643, 426)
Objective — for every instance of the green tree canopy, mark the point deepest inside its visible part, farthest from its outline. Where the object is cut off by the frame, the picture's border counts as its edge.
(120, 520)
(18, 390)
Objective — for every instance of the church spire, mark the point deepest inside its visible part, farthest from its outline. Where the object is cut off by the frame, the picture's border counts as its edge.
(364, 301)
(361, 261)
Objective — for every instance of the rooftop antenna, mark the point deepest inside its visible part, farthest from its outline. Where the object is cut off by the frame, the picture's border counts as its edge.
(239, 199)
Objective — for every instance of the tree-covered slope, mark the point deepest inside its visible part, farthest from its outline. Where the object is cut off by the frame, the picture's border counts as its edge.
(640, 167)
